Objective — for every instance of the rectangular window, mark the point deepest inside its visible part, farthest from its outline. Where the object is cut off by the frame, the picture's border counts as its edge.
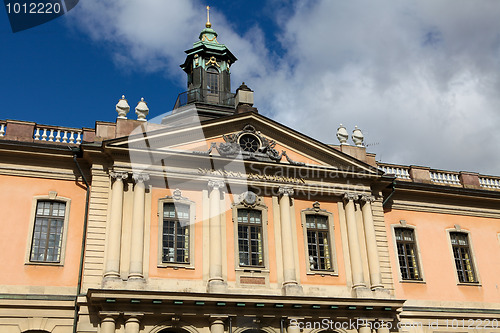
(318, 243)
(48, 232)
(212, 81)
(463, 258)
(250, 237)
(175, 247)
(407, 254)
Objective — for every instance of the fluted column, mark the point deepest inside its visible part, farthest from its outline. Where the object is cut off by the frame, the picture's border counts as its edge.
(215, 282)
(352, 235)
(217, 325)
(289, 274)
(132, 323)
(108, 324)
(137, 241)
(371, 242)
(112, 265)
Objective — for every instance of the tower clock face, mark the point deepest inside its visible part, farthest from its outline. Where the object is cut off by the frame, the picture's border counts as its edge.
(249, 143)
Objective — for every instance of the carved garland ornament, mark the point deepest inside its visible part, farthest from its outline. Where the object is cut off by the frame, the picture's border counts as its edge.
(252, 145)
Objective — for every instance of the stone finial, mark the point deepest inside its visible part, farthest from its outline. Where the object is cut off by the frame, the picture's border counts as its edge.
(122, 108)
(357, 137)
(141, 110)
(342, 135)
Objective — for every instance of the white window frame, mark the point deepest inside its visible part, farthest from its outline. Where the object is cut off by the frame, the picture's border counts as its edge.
(177, 199)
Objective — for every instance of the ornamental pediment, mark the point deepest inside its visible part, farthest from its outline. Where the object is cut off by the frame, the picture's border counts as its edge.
(248, 137)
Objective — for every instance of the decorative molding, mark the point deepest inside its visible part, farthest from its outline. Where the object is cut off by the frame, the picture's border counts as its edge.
(285, 190)
(315, 208)
(264, 152)
(367, 198)
(215, 184)
(350, 196)
(249, 199)
(118, 175)
(140, 177)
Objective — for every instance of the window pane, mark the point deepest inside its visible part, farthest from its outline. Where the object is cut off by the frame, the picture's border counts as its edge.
(463, 258)
(175, 236)
(407, 254)
(318, 244)
(250, 243)
(47, 231)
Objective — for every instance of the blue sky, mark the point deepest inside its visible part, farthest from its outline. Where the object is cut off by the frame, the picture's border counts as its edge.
(421, 79)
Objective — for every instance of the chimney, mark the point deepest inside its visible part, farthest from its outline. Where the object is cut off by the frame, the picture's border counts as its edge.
(244, 99)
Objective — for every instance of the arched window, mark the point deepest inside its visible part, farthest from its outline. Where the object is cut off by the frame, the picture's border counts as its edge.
(212, 80)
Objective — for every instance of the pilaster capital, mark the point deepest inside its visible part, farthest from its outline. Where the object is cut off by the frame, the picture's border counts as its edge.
(215, 184)
(350, 196)
(118, 175)
(140, 177)
(366, 198)
(285, 190)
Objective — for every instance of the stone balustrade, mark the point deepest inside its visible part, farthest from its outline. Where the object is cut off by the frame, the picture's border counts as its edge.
(418, 174)
(401, 172)
(25, 131)
(444, 177)
(57, 134)
(489, 182)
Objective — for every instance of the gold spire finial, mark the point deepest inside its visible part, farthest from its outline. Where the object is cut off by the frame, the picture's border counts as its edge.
(208, 24)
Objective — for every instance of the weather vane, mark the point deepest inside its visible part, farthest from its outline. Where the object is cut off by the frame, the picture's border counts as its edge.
(208, 25)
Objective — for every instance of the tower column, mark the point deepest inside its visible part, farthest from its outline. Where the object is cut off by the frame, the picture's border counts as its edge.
(132, 322)
(216, 281)
(108, 324)
(217, 324)
(137, 241)
(290, 284)
(371, 242)
(352, 235)
(112, 264)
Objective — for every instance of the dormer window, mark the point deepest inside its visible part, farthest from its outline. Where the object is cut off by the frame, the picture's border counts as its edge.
(212, 80)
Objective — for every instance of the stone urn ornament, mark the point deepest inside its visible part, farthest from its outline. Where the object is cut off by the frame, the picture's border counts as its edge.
(141, 110)
(342, 135)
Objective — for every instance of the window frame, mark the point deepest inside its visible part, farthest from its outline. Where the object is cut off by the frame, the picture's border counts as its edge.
(176, 199)
(316, 210)
(259, 206)
(53, 197)
(402, 225)
(413, 242)
(215, 73)
(457, 229)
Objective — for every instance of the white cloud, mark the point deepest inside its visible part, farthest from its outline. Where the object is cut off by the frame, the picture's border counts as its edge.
(421, 79)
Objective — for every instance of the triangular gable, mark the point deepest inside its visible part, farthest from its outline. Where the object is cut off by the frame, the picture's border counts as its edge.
(216, 136)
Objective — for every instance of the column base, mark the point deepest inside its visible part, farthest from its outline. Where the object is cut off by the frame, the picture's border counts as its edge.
(382, 293)
(362, 292)
(216, 286)
(112, 282)
(292, 289)
(137, 283)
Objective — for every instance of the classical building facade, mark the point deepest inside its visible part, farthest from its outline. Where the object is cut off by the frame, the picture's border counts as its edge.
(215, 219)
